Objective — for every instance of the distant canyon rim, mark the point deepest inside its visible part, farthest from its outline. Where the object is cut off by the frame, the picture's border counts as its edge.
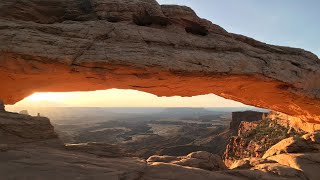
(166, 50)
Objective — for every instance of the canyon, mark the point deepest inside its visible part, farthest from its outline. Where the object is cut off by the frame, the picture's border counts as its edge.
(166, 50)
(29, 145)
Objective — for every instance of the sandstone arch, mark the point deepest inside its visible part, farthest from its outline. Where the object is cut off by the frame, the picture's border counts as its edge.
(70, 45)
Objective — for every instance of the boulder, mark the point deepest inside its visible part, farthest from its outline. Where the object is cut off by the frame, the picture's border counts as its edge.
(306, 143)
(308, 163)
(200, 159)
(281, 170)
(248, 163)
(164, 159)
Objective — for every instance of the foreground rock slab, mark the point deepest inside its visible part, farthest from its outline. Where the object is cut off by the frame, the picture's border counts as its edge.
(309, 163)
(35, 162)
(200, 159)
(165, 50)
(306, 143)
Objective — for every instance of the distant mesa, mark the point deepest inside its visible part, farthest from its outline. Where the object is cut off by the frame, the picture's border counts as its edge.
(25, 112)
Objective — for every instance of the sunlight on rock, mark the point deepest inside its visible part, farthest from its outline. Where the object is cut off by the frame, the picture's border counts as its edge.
(122, 98)
(135, 90)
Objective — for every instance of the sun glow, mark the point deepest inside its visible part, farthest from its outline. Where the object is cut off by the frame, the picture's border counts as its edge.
(49, 96)
(122, 98)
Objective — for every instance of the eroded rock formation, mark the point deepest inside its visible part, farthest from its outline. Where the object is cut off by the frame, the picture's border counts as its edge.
(246, 116)
(20, 128)
(293, 122)
(28, 145)
(71, 45)
(256, 137)
(199, 159)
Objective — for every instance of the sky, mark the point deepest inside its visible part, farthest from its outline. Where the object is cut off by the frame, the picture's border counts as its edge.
(122, 98)
(293, 23)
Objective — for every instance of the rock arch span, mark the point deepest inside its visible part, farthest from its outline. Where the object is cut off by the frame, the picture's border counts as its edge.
(166, 50)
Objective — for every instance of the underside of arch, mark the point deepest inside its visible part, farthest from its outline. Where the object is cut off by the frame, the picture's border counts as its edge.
(163, 50)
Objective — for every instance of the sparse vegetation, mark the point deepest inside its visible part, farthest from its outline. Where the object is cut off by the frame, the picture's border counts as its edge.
(269, 132)
(256, 142)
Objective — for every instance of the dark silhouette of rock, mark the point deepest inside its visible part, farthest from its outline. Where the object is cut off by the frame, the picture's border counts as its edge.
(2, 106)
(25, 112)
(20, 128)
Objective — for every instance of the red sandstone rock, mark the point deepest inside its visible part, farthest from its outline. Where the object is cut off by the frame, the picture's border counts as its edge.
(70, 45)
(291, 122)
(247, 116)
(199, 159)
(257, 138)
(306, 143)
(245, 127)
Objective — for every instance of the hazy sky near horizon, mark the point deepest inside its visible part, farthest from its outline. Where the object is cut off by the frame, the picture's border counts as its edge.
(122, 98)
(291, 23)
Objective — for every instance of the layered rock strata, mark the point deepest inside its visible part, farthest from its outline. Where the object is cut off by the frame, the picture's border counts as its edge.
(18, 129)
(246, 116)
(71, 45)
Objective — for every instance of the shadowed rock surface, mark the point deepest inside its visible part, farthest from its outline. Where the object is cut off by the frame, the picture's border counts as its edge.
(2, 107)
(99, 149)
(19, 128)
(71, 45)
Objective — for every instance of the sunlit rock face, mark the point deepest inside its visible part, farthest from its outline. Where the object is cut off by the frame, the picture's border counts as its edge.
(239, 119)
(72, 45)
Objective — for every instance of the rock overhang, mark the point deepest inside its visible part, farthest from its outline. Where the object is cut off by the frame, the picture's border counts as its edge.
(162, 49)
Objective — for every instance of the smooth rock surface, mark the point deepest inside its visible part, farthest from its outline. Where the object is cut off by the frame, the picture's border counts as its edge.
(35, 162)
(71, 45)
(99, 149)
(309, 163)
(199, 159)
(248, 163)
(303, 144)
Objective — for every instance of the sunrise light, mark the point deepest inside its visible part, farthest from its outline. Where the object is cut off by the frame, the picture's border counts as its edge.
(46, 96)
